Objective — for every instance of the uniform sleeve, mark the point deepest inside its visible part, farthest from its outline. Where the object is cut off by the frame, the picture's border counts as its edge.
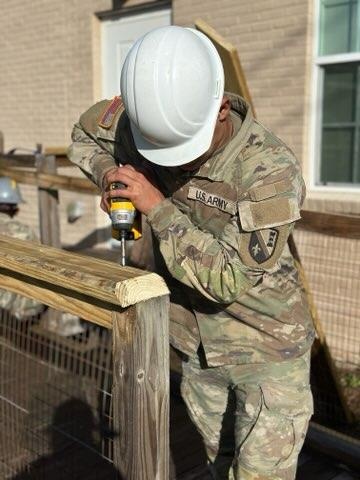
(199, 260)
(222, 268)
(92, 159)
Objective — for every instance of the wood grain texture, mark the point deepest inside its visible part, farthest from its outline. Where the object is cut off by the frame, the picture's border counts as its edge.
(51, 181)
(49, 219)
(58, 298)
(48, 200)
(88, 276)
(22, 160)
(141, 390)
(60, 154)
(235, 80)
(346, 226)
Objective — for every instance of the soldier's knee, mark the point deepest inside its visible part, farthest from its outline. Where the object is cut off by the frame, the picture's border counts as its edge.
(244, 473)
(271, 449)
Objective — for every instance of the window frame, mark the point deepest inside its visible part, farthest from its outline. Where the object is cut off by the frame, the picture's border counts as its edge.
(316, 122)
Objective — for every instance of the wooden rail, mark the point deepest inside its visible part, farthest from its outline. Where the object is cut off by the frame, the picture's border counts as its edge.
(135, 305)
(50, 181)
(346, 226)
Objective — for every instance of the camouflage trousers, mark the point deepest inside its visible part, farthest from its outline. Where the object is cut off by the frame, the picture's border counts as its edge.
(253, 418)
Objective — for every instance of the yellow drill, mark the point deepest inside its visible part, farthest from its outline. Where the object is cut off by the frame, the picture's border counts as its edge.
(126, 220)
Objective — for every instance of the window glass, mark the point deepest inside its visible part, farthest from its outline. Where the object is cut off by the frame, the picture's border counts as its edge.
(339, 93)
(337, 155)
(339, 26)
(340, 154)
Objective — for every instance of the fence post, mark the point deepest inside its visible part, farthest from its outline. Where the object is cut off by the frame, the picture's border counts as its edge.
(141, 390)
(49, 224)
(48, 204)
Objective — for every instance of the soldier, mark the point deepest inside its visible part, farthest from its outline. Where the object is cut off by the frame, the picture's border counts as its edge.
(10, 197)
(221, 194)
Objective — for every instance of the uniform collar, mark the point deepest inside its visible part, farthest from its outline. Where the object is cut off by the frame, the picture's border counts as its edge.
(213, 168)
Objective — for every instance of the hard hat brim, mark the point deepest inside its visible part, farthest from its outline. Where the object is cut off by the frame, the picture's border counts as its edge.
(176, 155)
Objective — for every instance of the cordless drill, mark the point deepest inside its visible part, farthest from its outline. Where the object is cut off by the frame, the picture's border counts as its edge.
(126, 220)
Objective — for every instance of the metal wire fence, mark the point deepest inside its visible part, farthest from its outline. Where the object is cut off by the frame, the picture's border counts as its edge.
(332, 267)
(55, 391)
(55, 402)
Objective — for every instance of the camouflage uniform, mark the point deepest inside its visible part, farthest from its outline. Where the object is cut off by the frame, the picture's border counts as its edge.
(222, 232)
(20, 307)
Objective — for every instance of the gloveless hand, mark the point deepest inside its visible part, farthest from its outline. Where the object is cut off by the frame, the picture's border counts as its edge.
(139, 189)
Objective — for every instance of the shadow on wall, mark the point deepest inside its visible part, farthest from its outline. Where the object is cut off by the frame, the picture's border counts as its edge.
(75, 448)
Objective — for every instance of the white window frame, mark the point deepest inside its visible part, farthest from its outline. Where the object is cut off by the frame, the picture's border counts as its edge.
(316, 110)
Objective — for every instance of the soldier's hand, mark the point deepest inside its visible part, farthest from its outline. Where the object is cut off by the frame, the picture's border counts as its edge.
(105, 195)
(142, 192)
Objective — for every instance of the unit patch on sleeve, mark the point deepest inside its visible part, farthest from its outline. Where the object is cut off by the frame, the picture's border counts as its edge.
(212, 200)
(111, 110)
(262, 244)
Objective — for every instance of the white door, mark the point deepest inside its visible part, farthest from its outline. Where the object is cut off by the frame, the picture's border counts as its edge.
(117, 36)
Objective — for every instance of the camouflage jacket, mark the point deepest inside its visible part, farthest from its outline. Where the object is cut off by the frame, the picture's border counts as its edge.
(19, 306)
(222, 232)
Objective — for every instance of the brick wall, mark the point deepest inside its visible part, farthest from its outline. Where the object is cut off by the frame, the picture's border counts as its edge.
(270, 36)
(50, 63)
(274, 39)
(50, 57)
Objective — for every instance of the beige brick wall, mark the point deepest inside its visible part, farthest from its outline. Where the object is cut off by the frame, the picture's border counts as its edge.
(50, 57)
(50, 70)
(47, 68)
(270, 36)
(275, 41)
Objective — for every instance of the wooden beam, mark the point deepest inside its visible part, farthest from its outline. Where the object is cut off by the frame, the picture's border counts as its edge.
(60, 154)
(235, 80)
(28, 161)
(48, 200)
(56, 151)
(141, 390)
(19, 160)
(346, 226)
(61, 299)
(88, 276)
(56, 182)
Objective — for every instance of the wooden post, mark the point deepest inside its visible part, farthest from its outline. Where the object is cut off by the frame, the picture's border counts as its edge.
(135, 304)
(48, 204)
(49, 224)
(1, 142)
(141, 390)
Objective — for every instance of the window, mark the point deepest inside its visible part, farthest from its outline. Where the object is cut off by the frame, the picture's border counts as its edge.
(338, 68)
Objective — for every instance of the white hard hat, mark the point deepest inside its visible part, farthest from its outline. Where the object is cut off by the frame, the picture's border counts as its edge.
(9, 191)
(172, 84)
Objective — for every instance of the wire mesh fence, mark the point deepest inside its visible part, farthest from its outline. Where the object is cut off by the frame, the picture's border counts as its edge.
(55, 389)
(332, 266)
(55, 401)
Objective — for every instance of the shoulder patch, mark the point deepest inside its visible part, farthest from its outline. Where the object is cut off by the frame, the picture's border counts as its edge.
(263, 248)
(107, 118)
(262, 244)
